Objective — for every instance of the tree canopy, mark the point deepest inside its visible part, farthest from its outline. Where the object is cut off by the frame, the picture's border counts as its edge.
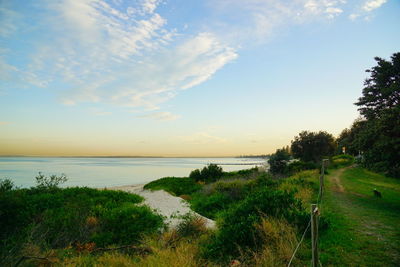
(382, 89)
(313, 146)
(377, 134)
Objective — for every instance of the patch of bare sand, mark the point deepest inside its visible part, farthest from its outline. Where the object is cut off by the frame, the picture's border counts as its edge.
(171, 207)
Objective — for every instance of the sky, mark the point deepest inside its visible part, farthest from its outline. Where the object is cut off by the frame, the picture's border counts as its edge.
(183, 78)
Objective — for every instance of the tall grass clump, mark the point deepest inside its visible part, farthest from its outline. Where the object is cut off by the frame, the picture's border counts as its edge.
(278, 240)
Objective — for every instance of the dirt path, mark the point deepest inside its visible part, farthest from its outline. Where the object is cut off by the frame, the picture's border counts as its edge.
(335, 177)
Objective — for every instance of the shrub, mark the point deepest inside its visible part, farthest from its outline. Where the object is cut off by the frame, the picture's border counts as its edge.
(52, 181)
(208, 174)
(126, 225)
(175, 186)
(191, 226)
(236, 227)
(51, 217)
(6, 185)
(209, 206)
(278, 161)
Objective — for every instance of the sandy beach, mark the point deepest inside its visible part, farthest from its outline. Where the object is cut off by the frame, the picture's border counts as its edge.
(165, 204)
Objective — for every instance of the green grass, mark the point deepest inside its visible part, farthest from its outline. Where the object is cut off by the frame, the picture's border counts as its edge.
(363, 228)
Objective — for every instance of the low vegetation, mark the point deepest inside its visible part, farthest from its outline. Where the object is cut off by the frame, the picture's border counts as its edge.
(175, 186)
(47, 217)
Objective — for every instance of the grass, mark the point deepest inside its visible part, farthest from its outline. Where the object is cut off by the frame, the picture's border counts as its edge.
(363, 228)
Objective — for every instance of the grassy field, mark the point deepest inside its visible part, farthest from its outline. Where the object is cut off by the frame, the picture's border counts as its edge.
(364, 229)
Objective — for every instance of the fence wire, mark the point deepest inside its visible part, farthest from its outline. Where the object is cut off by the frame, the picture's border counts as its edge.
(298, 245)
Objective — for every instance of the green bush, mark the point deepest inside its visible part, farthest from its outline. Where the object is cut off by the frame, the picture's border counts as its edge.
(126, 224)
(51, 217)
(208, 174)
(175, 186)
(210, 205)
(236, 225)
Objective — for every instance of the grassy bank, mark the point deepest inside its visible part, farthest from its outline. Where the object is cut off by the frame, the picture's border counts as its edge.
(363, 228)
(260, 221)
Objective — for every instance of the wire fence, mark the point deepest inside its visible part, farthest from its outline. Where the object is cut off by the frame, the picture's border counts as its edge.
(314, 212)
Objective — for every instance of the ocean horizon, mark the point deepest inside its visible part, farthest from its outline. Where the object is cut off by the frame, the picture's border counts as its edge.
(103, 171)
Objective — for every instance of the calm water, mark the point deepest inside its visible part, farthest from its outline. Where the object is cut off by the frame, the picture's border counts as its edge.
(106, 172)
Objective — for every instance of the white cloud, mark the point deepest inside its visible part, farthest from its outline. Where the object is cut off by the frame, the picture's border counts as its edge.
(98, 51)
(203, 138)
(373, 4)
(366, 9)
(161, 116)
(261, 19)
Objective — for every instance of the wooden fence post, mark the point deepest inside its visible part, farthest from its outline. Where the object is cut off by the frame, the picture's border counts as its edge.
(314, 234)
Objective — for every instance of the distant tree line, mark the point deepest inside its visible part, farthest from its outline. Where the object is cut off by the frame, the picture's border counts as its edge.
(374, 137)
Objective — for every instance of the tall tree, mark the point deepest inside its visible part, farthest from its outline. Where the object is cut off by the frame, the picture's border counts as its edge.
(313, 146)
(380, 105)
(381, 93)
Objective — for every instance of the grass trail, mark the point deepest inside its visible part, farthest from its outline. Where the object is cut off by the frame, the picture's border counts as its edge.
(365, 230)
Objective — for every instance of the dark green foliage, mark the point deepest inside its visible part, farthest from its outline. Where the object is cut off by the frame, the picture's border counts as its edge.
(126, 225)
(278, 161)
(51, 217)
(220, 196)
(210, 205)
(382, 89)
(6, 185)
(236, 227)
(349, 138)
(313, 146)
(208, 174)
(174, 185)
(377, 135)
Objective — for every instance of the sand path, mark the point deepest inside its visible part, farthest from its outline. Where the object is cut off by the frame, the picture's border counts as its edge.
(164, 204)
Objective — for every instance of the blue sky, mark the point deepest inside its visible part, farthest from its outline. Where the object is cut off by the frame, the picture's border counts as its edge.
(183, 78)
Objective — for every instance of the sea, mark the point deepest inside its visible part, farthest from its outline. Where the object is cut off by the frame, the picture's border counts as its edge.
(102, 172)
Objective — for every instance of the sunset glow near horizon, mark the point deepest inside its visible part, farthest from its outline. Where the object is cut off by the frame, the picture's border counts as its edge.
(183, 78)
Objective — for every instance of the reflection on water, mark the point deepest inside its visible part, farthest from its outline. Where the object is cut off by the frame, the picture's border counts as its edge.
(102, 172)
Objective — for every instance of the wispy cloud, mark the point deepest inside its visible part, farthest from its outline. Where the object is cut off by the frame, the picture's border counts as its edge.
(261, 19)
(373, 4)
(4, 123)
(161, 116)
(99, 51)
(366, 8)
(124, 53)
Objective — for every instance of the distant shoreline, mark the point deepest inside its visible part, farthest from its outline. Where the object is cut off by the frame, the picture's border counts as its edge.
(143, 157)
